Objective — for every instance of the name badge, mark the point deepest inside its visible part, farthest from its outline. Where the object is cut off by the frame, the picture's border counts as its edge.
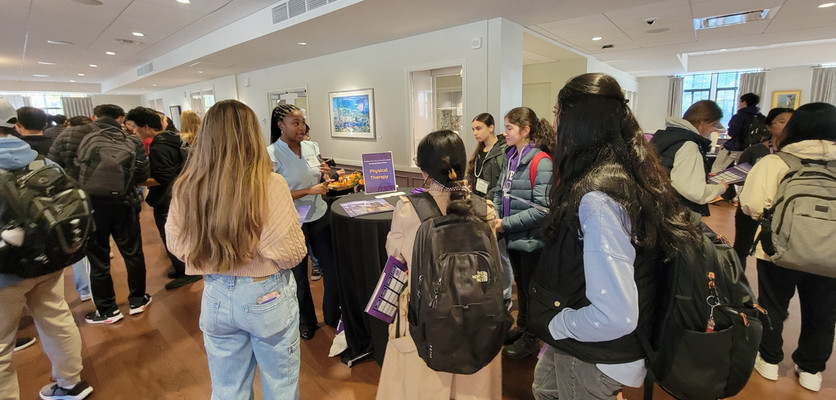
(481, 185)
(313, 162)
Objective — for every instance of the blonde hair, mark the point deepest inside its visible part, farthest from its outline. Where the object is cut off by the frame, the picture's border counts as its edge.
(224, 206)
(189, 125)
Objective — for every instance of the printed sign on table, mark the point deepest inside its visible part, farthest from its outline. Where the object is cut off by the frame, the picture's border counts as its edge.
(378, 172)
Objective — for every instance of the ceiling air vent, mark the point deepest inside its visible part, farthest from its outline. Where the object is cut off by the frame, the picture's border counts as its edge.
(127, 42)
(294, 8)
(279, 13)
(720, 21)
(608, 46)
(145, 69)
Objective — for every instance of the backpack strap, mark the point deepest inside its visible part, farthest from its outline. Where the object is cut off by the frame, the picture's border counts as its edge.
(424, 205)
(532, 169)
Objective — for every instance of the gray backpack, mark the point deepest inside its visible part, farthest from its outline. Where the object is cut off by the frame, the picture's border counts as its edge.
(107, 164)
(799, 231)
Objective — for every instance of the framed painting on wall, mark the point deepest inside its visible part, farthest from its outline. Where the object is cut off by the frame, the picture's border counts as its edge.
(352, 114)
(175, 115)
(786, 98)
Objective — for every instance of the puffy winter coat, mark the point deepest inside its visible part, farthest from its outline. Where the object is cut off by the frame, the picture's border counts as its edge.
(523, 224)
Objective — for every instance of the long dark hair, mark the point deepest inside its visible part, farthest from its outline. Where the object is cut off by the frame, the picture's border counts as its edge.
(810, 122)
(486, 119)
(442, 156)
(541, 132)
(600, 147)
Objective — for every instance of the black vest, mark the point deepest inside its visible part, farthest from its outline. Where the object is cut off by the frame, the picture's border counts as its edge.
(561, 272)
(668, 142)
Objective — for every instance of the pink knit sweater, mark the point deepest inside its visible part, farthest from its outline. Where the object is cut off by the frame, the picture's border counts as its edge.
(281, 245)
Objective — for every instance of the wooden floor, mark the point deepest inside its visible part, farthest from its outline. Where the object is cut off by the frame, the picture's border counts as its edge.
(159, 354)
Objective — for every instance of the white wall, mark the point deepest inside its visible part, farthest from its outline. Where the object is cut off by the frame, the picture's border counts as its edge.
(555, 74)
(383, 67)
(224, 89)
(127, 102)
(652, 102)
(505, 51)
(790, 78)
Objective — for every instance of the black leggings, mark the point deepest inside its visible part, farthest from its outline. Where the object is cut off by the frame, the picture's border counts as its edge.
(318, 237)
(523, 263)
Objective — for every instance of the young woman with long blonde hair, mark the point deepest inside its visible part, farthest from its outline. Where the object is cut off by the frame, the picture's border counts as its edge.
(237, 226)
(189, 125)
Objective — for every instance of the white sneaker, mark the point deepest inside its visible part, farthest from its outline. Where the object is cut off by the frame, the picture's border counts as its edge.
(807, 380)
(765, 369)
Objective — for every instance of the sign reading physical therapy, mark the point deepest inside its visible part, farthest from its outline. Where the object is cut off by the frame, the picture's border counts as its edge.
(378, 172)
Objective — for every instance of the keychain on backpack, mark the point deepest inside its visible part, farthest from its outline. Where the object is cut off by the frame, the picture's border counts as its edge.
(713, 301)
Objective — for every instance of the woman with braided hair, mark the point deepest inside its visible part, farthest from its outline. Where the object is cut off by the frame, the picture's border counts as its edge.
(297, 160)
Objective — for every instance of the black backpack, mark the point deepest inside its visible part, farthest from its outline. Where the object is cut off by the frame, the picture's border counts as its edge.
(683, 358)
(457, 317)
(755, 131)
(54, 215)
(107, 163)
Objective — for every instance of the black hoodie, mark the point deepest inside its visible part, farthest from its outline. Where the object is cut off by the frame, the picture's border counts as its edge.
(166, 163)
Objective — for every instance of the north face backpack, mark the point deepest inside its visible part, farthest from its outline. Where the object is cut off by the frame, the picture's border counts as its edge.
(457, 317)
(706, 331)
(798, 232)
(107, 164)
(54, 215)
(755, 131)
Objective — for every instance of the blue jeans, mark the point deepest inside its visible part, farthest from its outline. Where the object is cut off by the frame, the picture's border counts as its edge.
(239, 334)
(81, 279)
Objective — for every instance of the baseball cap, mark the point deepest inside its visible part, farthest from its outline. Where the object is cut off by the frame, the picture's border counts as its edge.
(8, 115)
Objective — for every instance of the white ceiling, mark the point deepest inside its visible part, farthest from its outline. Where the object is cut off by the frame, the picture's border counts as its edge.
(230, 36)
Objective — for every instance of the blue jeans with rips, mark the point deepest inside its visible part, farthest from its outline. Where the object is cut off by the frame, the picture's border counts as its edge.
(239, 334)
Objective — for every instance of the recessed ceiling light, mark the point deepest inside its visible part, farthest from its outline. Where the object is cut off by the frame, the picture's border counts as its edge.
(80, 74)
(154, 85)
(597, 38)
(826, 5)
(302, 43)
(72, 80)
(110, 53)
(89, 2)
(94, 66)
(199, 72)
(40, 75)
(722, 49)
(46, 63)
(183, 1)
(138, 34)
(61, 42)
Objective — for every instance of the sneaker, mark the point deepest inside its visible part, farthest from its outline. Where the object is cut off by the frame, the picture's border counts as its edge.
(513, 335)
(85, 297)
(180, 282)
(508, 304)
(316, 274)
(525, 346)
(77, 392)
(108, 318)
(765, 369)
(24, 342)
(138, 308)
(807, 380)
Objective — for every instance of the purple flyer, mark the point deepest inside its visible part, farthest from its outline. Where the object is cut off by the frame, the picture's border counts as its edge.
(378, 172)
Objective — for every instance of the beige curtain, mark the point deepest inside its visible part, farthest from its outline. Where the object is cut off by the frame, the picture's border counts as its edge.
(675, 87)
(752, 82)
(75, 106)
(824, 85)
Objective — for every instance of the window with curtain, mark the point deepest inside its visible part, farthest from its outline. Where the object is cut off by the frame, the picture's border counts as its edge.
(721, 87)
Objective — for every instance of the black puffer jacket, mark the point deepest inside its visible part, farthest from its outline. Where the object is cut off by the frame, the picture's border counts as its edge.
(166, 161)
(64, 150)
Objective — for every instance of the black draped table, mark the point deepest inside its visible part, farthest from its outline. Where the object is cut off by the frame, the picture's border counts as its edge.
(360, 253)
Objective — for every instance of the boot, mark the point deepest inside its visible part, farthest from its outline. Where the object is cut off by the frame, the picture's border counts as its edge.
(526, 345)
(513, 335)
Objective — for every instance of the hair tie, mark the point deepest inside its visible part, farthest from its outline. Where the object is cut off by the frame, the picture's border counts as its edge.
(452, 175)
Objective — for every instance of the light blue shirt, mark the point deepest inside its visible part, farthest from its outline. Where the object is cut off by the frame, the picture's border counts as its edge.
(608, 258)
(299, 174)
